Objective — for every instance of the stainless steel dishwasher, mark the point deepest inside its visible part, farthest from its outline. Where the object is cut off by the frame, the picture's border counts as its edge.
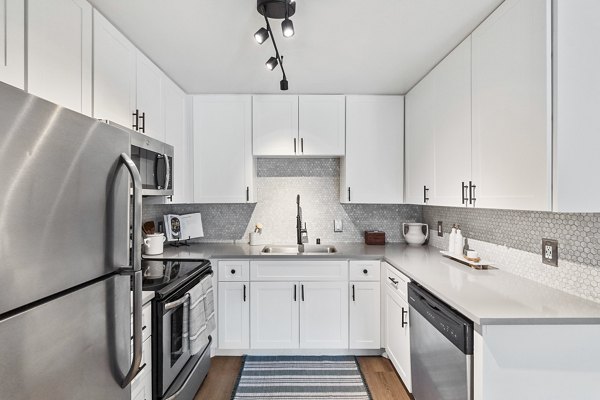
(441, 348)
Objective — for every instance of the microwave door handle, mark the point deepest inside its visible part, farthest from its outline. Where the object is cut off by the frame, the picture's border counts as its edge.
(167, 172)
(135, 269)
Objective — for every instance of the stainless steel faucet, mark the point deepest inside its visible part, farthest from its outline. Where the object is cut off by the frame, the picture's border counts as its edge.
(301, 233)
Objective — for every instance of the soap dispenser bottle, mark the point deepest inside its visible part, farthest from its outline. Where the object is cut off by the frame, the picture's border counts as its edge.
(458, 242)
(451, 239)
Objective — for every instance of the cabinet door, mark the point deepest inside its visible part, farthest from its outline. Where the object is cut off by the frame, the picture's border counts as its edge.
(274, 315)
(512, 107)
(60, 52)
(223, 164)
(234, 315)
(322, 125)
(114, 73)
(451, 157)
(149, 97)
(365, 315)
(373, 168)
(420, 105)
(324, 315)
(398, 336)
(12, 42)
(275, 125)
(178, 135)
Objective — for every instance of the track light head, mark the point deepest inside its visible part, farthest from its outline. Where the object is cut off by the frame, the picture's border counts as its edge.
(272, 63)
(287, 27)
(261, 35)
(283, 85)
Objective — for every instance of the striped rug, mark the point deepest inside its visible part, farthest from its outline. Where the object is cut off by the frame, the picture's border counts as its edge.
(300, 377)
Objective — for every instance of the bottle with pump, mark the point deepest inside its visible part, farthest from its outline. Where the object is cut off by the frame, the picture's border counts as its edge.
(458, 242)
(451, 239)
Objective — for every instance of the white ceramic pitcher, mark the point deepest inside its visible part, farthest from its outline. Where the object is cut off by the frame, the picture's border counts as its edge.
(414, 236)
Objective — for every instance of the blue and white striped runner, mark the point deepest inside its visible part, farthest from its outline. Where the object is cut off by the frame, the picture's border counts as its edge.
(301, 377)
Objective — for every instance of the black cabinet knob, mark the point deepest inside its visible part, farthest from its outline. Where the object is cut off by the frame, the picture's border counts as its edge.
(365, 271)
(233, 272)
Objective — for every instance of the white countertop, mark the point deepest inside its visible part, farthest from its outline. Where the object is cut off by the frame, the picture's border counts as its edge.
(146, 298)
(487, 297)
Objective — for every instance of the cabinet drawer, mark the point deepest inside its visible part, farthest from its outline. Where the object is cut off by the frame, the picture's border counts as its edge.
(141, 386)
(396, 280)
(234, 270)
(365, 270)
(309, 270)
(146, 322)
(146, 358)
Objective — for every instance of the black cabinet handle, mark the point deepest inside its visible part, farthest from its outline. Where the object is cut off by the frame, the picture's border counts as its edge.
(404, 312)
(247, 193)
(395, 282)
(348, 193)
(295, 146)
(425, 191)
(353, 293)
(464, 195)
(365, 271)
(302, 291)
(136, 120)
(472, 192)
(143, 329)
(143, 125)
(244, 293)
(233, 272)
(295, 293)
(302, 145)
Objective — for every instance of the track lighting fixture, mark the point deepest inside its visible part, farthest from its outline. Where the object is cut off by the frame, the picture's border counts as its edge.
(272, 63)
(287, 27)
(278, 9)
(261, 35)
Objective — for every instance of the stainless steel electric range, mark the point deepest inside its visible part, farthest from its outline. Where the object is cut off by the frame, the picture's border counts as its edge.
(177, 375)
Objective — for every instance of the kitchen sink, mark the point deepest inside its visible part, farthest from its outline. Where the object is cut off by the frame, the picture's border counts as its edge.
(309, 249)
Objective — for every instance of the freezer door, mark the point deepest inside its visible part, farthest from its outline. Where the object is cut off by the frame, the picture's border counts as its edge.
(74, 347)
(64, 199)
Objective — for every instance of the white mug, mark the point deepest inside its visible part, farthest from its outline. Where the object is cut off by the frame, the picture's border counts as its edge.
(153, 244)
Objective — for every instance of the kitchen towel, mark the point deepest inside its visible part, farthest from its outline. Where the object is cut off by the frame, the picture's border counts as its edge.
(201, 319)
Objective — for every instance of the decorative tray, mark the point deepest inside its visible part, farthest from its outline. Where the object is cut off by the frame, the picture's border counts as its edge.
(481, 264)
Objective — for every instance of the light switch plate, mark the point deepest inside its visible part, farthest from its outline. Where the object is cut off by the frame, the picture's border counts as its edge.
(440, 229)
(550, 252)
(337, 225)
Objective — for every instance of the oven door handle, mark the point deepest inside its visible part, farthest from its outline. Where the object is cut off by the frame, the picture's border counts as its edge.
(187, 380)
(177, 303)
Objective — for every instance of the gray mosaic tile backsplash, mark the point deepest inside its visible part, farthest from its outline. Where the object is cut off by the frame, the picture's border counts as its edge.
(578, 234)
(279, 181)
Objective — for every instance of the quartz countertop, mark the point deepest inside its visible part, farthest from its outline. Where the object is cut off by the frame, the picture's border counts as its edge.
(487, 297)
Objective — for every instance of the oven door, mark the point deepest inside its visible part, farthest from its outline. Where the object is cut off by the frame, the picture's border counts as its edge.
(175, 345)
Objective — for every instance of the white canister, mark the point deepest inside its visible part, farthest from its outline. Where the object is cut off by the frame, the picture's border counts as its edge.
(153, 244)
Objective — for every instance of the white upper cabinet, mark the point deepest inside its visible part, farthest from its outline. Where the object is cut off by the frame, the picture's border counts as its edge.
(373, 169)
(322, 125)
(60, 52)
(114, 73)
(177, 134)
(12, 42)
(149, 97)
(223, 164)
(275, 125)
(577, 99)
(512, 135)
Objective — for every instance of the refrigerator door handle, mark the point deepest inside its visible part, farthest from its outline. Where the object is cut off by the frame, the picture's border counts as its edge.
(135, 270)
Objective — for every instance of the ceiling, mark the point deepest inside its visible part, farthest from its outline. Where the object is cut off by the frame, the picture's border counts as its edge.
(340, 46)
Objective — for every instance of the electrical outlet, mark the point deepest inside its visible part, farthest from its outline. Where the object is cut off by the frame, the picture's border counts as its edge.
(550, 252)
(440, 229)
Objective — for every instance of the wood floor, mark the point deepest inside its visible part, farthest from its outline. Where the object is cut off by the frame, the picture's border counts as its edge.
(379, 373)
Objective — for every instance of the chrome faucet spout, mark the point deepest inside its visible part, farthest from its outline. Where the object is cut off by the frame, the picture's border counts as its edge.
(301, 234)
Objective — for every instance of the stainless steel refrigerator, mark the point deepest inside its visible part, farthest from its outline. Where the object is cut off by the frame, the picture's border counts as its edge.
(65, 273)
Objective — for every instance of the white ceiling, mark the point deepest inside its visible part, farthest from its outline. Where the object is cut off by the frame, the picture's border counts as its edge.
(340, 46)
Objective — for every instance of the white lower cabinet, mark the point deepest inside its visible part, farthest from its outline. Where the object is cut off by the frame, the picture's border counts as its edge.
(141, 386)
(365, 322)
(398, 335)
(274, 315)
(324, 315)
(234, 315)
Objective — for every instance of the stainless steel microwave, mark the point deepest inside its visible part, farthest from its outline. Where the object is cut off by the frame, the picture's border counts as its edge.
(154, 160)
